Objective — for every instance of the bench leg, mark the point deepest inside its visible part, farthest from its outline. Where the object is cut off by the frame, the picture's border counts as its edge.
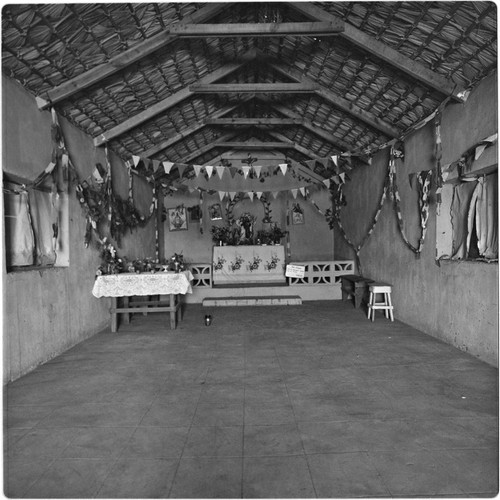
(114, 316)
(126, 316)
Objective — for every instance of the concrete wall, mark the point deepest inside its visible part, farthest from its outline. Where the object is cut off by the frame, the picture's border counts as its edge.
(45, 312)
(456, 302)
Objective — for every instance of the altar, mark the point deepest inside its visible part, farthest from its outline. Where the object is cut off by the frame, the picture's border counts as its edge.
(248, 264)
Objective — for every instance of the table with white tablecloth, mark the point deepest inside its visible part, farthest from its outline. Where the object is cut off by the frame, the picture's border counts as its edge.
(125, 285)
(248, 264)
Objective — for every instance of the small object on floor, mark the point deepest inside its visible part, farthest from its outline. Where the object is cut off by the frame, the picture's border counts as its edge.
(384, 304)
(208, 319)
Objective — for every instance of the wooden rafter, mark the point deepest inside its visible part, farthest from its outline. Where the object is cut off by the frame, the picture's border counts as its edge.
(126, 58)
(170, 101)
(300, 149)
(189, 131)
(256, 145)
(338, 101)
(320, 28)
(253, 121)
(208, 147)
(254, 88)
(379, 49)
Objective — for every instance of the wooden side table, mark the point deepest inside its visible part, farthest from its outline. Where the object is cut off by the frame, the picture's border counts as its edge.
(354, 286)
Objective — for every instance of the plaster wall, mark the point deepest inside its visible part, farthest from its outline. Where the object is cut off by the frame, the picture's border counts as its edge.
(456, 302)
(47, 311)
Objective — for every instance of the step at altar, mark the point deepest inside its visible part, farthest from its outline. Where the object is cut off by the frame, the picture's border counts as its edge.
(288, 300)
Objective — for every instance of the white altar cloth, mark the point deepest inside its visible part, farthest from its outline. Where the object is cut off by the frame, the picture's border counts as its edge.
(248, 264)
(131, 284)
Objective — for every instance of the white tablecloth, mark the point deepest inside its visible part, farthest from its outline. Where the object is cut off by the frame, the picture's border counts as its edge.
(248, 264)
(130, 284)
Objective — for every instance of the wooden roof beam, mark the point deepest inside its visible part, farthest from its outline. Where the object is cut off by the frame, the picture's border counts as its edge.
(254, 88)
(322, 28)
(253, 121)
(170, 101)
(300, 149)
(256, 145)
(208, 147)
(126, 58)
(339, 102)
(189, 131)
(387, 54)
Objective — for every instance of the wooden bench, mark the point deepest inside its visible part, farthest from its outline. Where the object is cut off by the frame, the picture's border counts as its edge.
(354, 286)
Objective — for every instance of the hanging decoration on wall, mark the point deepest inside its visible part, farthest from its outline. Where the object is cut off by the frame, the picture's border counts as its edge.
(238, 198)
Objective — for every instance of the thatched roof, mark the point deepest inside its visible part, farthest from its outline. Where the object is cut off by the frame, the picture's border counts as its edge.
(127, 73)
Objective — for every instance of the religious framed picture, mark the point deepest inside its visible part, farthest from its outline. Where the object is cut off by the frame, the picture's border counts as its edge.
(177, 219)
(297, 214)
(215, 211)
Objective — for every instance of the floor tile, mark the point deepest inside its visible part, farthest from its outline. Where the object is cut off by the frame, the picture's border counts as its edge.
(268, 414)
(156, 442)
(277, 477)
(343, 475)
(215, 441)
(218, 414)
(139, 478)
(208, 478)
(271, 440)
(71, 478)
(20, 474)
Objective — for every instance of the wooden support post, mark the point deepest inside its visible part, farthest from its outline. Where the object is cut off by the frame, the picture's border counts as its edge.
(160, 227)
(114, 315)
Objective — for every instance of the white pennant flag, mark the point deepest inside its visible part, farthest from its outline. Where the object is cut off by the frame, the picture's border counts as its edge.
(250, 194)
(246, 170)
(167, 166)
(342, 176)
(303, 191)
(326, 182)
(258, 194)
(197, 169)
(257, 170)
(335, 159)
(209, 170)
(479, 151)
(284, 167)
(136, 160)
(275, 194)
(221, 195)
(220, 170)
(294, 192)
(50, 167)
(232, 194)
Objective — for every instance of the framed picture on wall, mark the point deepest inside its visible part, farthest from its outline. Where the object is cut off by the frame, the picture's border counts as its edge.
(177, 219)
(297, 214)
(215, 211)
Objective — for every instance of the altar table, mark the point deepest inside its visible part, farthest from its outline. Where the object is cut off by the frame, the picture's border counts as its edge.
(248, 264)
(127, 285)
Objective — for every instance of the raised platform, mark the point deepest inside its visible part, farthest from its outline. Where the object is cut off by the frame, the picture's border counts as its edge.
(288, 300)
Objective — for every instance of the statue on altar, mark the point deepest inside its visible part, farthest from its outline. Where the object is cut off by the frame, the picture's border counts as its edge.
(246, 224)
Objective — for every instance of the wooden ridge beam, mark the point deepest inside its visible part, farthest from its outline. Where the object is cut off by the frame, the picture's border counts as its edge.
(254, 88)
(339, 102)
(126, 58)
(321, 28)
(255, 145)
(379, 49)
(169, 102)
(253, 121)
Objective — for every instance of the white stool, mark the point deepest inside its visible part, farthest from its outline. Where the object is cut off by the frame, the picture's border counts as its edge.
(385, 304)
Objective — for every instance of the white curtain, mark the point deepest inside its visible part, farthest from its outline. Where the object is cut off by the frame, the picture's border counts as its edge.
(19, 237)
(42, 215)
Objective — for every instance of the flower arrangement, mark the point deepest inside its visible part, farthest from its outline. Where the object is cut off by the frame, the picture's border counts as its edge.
(271, 236)
(111, 263)
(176, 263)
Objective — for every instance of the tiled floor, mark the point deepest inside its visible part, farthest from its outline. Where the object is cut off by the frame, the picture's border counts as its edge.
(277, 402)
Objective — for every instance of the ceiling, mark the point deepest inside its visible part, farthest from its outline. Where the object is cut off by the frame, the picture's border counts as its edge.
(169, 81)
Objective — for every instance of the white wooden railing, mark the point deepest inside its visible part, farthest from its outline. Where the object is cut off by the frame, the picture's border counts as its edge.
(316, 273)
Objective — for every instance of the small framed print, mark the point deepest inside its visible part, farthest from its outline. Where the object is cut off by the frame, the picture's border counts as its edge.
(215, 211)
(297, 217)
(177, 219)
